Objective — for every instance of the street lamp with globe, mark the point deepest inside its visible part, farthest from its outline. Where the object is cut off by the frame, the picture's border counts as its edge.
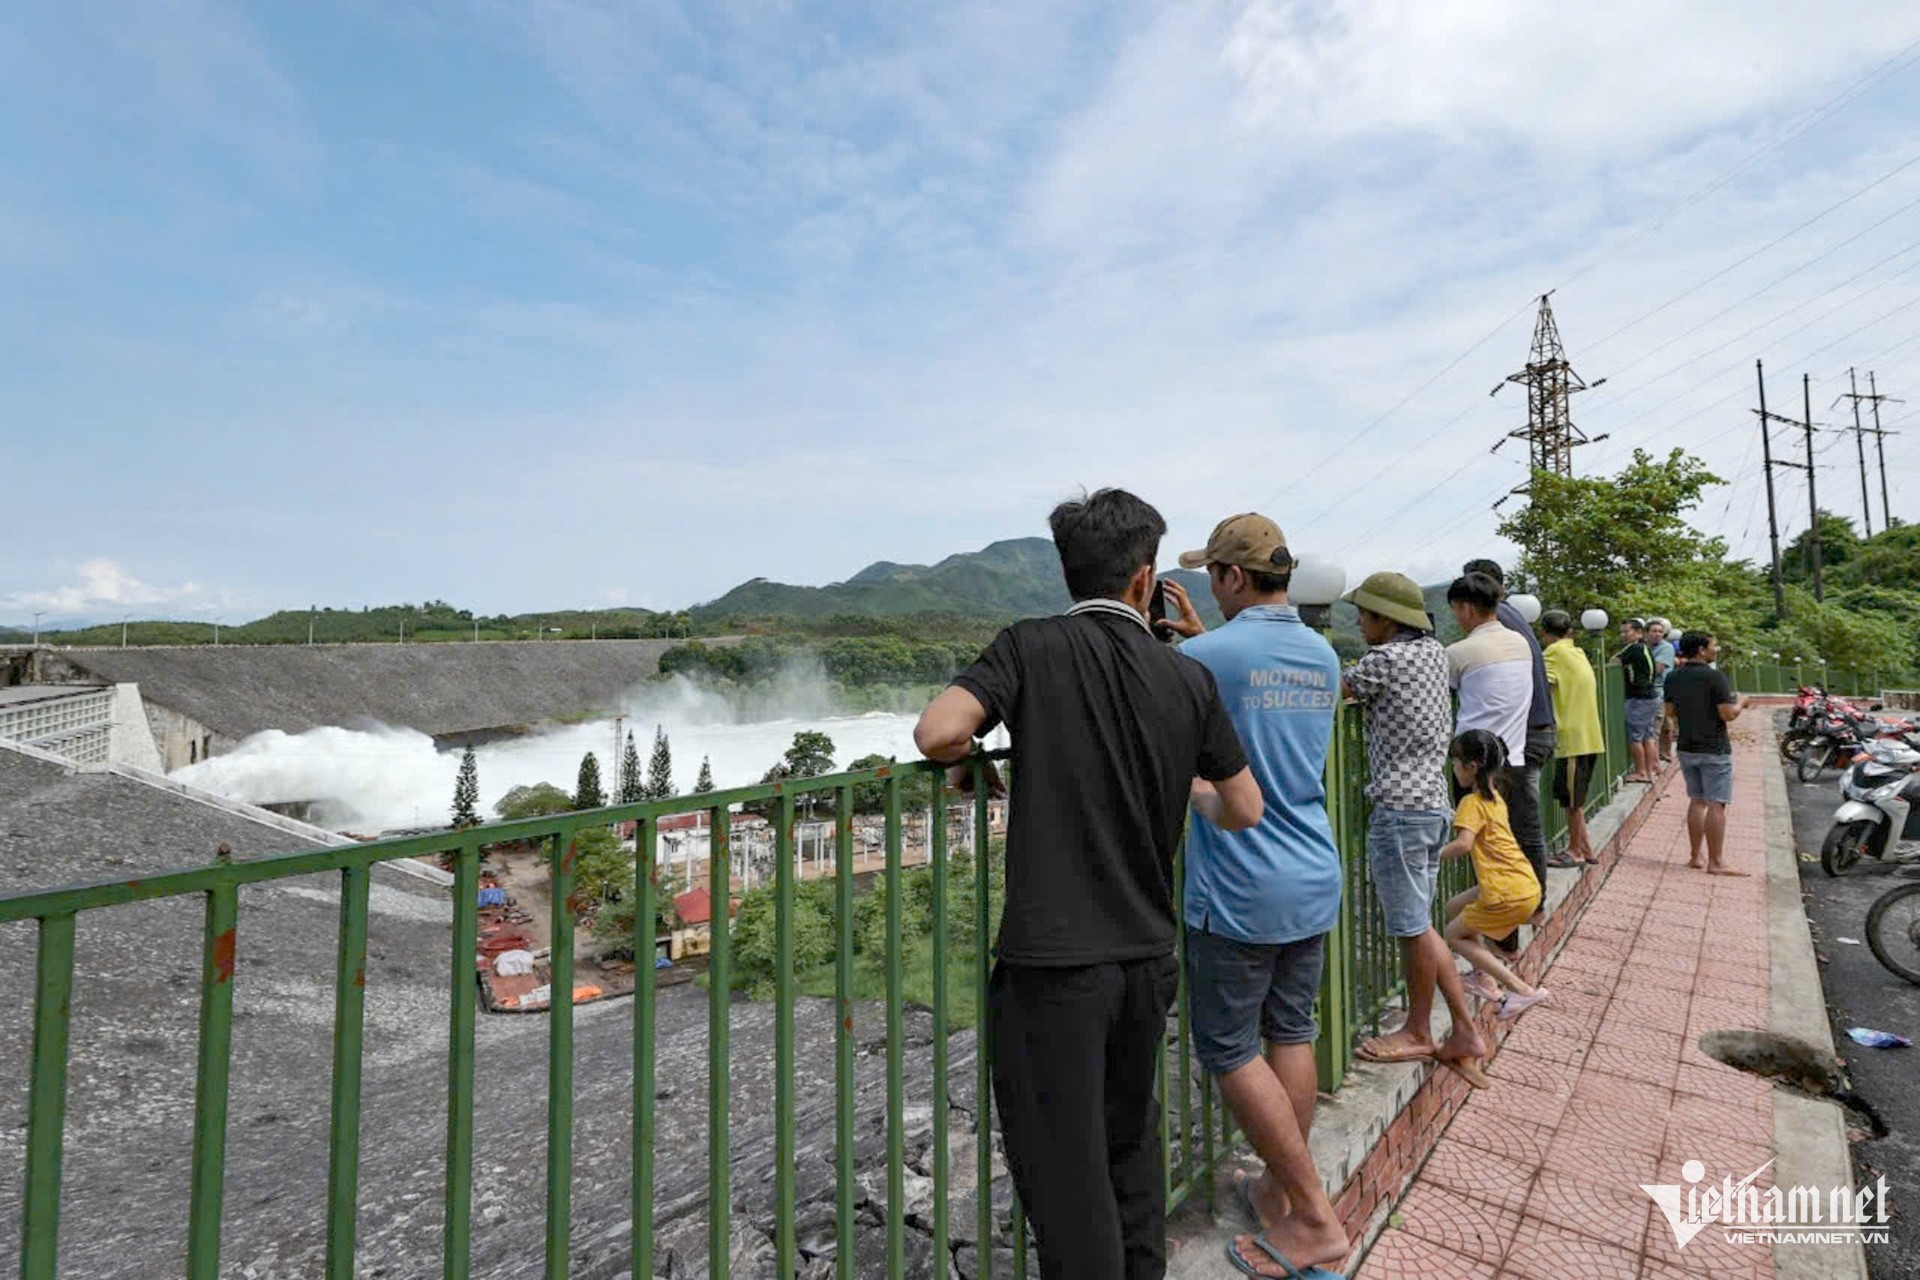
(1594, 621)
(1317, 582)
(1527, 606)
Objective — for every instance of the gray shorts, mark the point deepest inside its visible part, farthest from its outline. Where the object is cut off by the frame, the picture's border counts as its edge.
(1643, 719)
(1403, 861)
(1239, 993)
(1709, 777)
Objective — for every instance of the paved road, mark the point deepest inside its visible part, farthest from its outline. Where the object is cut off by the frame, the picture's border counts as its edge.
(1861, 993)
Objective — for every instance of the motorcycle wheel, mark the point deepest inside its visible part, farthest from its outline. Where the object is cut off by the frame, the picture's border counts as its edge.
(1793, 745)
(1813, 761)
(1844, 846)
(1893, 931)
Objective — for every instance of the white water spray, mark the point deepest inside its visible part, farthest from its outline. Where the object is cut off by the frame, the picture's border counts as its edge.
(385, 778)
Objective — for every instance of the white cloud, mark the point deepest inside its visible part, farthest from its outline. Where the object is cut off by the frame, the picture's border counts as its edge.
(101, 586)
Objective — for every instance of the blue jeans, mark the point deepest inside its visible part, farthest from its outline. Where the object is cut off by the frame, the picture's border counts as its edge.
(1403, 859)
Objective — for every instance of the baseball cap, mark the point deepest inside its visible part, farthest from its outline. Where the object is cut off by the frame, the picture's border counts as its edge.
(1251, 541)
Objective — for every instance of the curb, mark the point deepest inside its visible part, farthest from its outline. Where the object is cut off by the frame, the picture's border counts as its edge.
(1809, 1134)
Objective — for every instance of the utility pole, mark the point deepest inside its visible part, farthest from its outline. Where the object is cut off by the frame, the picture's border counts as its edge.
(1880, 447)
(1813, 502)
(1550, 382)
(310, 612)
(1773, 520)
(1859, 445)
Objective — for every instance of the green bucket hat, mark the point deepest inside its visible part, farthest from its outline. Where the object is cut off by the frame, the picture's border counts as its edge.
(1392, 595)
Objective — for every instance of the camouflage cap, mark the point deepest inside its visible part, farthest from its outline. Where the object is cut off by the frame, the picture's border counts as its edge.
(1250, 541)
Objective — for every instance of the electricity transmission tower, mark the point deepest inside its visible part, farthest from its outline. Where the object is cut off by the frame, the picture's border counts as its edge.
(1550, 382)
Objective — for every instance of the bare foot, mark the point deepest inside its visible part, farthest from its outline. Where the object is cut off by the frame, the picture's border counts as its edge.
(1398, 1046)
(1265, 1198)
(1302, 1243)
(1724, 871)
(1695, 864)
(1465, 1042)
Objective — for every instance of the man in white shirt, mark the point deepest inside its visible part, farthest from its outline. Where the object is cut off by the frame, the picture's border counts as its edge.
(1492, 669)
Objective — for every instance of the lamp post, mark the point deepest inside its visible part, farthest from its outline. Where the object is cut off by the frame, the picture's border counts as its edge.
(1317, 582)
(123, 629)
(36, 628)
(1527, 606)
(1594, 621)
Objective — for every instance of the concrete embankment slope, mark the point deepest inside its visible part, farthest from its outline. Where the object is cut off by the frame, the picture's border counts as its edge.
(436, 688)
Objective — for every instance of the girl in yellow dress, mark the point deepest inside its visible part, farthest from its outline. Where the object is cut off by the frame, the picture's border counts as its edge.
(1508, 893)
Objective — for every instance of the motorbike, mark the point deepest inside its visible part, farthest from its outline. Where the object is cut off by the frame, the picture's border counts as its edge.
(1879, 813)
(1893, 930)
(1840, 736)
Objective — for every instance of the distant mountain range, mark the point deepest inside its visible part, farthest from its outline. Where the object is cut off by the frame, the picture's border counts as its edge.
(1017, 578)
(1013, 579)
(1008, 579)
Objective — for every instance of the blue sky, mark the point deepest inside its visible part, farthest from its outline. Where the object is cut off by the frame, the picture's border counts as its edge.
(538, 304)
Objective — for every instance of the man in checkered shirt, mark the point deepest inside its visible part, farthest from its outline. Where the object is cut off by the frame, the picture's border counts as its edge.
(1402, 683)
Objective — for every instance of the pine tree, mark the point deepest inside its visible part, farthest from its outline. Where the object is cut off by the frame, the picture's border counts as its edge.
(632, 789)
(466, 793)
(587, 793)
(660, 768)
(704, 783)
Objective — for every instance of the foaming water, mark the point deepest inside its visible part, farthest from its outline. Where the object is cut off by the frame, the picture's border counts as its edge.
(384, 778)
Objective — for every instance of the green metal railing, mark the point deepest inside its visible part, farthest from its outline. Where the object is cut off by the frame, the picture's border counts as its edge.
(1789, 677)
(1362, 979)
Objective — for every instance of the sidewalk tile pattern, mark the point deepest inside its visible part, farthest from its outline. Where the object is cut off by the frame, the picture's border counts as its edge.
(1604, 1089)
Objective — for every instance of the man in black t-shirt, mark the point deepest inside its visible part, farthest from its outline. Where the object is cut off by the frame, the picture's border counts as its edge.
(1643, 702)
(1112, 731)
(1701, 700)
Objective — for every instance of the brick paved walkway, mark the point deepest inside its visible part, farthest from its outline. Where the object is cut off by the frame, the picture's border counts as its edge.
(1538, 1177)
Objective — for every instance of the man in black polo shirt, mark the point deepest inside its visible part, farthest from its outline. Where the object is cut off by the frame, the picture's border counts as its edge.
(1111, 728)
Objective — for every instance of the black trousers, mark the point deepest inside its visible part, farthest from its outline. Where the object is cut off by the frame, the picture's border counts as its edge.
(1074, 1056)
(1523, 800)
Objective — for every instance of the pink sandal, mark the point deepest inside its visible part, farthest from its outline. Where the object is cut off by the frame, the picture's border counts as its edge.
(1512, 1006)
(1482, 985)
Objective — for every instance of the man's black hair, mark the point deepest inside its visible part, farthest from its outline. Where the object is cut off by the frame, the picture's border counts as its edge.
(1557, 622)
(1476, 589)
(1103, 539)
(1693, 644)
(1265, 582)
(1489, 567)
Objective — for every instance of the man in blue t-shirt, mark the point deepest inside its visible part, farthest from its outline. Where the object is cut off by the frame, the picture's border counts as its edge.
(1259, 902)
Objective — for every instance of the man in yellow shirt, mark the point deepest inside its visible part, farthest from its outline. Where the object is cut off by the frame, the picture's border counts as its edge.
(1576, 709)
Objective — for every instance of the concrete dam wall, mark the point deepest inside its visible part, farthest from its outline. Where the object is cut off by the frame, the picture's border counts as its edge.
(444, 690)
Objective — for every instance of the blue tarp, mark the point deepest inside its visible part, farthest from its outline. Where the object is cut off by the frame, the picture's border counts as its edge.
(493, 897)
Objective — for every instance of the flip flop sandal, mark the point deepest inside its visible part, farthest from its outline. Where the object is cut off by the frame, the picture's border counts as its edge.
(1411, 1054)
(1243, 1187)
(1260, 1241)
(1469, 1070)
(1563, 861)
(1482, 985)
(1513, 1006)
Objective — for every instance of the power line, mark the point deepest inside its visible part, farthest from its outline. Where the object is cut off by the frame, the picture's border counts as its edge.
(1357, 436)
(1793, 130)
(1749, 257)
(1780, 280)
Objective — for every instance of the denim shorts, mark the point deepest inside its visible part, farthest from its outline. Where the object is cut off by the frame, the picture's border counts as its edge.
(1709, 777)
(1403, 860)
(1643, 719)
(1239, 993)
